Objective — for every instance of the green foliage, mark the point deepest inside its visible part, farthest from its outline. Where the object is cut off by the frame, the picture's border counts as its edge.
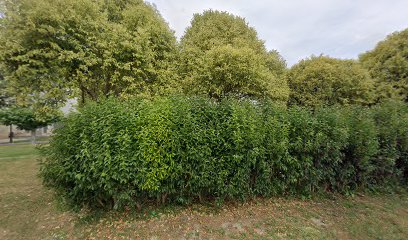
(229, 71)
(316, 142)
(215, 28)
(53, 50)
(5, 98)
(182, 149)
(323, 80)
(392, 125)
(222, 56)
(276, 63)
(357, 169)
(388, 64)
(25, 118)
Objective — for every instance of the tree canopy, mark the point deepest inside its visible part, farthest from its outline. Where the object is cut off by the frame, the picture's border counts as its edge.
(51, 50)
(215, 28)
(326, 81)
(221, 55)
(25, 118)
(5, 98)
(54, 50)
(388, 64)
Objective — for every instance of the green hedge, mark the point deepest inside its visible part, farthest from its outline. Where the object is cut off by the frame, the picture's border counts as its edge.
(184, 149)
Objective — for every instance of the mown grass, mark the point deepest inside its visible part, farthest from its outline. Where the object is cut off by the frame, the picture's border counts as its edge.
(17, 152)
(28, 211)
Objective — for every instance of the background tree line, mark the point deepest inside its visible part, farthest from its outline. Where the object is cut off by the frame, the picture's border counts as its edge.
(54, 50)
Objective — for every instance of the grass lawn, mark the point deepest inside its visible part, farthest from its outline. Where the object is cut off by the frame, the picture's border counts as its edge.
(28, 211)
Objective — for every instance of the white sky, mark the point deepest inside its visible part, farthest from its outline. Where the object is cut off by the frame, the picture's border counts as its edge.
(300, 28)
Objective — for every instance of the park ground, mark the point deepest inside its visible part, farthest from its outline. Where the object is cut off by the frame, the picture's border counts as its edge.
(29, 211)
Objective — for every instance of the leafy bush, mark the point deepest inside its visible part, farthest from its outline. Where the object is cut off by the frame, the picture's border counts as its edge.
(362, 145)
(392, 123)
(181, 149)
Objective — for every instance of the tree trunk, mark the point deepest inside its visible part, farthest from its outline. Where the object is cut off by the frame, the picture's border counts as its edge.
(33, 135)
(83, 96)
(11, 134)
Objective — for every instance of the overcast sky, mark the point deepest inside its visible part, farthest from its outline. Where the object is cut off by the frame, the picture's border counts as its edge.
(300, 28)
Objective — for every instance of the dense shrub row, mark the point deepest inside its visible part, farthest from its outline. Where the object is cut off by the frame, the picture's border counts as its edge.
(183, 149)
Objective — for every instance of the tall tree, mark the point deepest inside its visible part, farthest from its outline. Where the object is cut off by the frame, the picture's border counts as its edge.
(51, 50)
(323, 80)
(388, 64)
(221, 55)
